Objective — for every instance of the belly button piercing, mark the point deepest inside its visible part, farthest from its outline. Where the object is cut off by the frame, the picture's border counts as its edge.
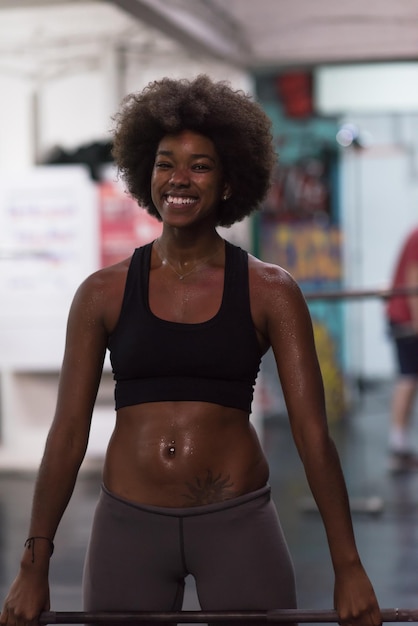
(172, 449)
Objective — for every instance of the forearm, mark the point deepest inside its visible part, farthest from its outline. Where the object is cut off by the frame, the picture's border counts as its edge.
(326, 481)
(411, 281)
(413, 307)
(29, 592)
(53, 489)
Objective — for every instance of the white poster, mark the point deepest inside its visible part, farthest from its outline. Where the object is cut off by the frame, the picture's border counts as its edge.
(48, 245)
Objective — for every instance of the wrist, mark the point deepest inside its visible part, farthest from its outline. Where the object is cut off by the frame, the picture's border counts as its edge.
(37, 570)
(38, 551)
(342, 566)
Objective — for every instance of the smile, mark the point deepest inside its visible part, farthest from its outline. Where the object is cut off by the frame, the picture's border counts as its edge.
(179, 200)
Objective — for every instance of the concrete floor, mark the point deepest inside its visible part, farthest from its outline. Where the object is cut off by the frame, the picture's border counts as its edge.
(388, 541)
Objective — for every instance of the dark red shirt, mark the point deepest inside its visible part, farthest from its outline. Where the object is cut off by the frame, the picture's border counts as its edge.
(397, 308)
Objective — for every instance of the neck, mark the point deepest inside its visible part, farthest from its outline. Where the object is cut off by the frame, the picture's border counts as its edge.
(183, 248)
(182, 267)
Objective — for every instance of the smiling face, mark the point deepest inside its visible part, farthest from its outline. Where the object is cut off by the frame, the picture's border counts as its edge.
(187, 182)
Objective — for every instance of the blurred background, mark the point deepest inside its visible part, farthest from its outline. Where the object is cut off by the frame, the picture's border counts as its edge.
(340, 83)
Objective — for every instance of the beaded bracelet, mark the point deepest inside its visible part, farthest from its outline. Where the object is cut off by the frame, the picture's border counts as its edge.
(30, 545)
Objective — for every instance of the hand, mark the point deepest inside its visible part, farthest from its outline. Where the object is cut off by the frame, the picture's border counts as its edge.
(27, 598)
(355, 600)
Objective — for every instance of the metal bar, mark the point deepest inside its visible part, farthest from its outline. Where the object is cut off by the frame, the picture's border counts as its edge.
(187, 617)
(351, 294)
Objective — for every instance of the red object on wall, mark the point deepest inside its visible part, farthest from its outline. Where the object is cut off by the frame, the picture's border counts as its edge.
(123, 224)
(295, 93)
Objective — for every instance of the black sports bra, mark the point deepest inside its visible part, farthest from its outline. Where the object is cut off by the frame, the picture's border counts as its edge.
(156, 360)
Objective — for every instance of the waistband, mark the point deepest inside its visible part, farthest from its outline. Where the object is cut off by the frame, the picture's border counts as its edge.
(190, 511)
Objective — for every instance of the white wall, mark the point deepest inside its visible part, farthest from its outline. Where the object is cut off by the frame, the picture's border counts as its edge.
(367, 87)
(379, 204)
(16, 123)
(48, 243)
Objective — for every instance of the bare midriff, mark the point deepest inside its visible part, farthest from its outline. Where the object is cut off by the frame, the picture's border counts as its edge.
(182, 454)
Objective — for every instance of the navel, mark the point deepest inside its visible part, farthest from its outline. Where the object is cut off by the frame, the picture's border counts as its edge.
(171, 449)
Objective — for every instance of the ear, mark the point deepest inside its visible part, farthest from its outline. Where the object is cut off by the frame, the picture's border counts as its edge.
(227, 192)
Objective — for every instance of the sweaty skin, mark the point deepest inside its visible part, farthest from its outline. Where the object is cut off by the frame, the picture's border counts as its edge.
(182, 454)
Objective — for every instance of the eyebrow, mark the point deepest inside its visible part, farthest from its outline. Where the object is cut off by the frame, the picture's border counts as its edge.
(194, 156)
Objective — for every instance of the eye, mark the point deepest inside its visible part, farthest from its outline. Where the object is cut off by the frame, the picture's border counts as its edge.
(201, 167)
(162, 165)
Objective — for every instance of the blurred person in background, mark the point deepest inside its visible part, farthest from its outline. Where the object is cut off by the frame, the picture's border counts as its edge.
(187, 320)
(402, 315)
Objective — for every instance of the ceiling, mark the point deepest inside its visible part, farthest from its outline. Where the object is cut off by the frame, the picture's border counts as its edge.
(42, 37)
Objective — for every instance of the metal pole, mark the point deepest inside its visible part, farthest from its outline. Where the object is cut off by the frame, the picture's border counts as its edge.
(187, 617)
(351, 294)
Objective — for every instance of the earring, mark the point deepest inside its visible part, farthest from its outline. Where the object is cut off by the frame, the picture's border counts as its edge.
(225, 196)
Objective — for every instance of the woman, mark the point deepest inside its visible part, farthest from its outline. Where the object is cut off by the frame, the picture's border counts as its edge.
(402, 317)
(186, 320)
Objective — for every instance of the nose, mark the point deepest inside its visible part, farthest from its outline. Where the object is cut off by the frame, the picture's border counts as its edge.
(179, 177)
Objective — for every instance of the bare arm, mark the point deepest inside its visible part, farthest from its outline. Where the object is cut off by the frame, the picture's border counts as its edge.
(288, 328)
(64, 451)
(412, 281)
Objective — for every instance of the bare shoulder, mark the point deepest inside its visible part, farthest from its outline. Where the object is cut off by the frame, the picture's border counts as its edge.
(277, 303)
(271, 282)
(106, 278)
(100, 294)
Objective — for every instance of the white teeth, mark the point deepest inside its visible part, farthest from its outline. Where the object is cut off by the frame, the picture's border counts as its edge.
(179, 200)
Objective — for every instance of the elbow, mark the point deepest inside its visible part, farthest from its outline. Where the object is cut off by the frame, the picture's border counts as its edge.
(314, 446)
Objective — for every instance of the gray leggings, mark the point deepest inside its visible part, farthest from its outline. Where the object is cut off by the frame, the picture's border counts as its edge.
(139, 556)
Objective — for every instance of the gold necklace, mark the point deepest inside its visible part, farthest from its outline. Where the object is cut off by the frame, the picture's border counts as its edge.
(165, 261)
